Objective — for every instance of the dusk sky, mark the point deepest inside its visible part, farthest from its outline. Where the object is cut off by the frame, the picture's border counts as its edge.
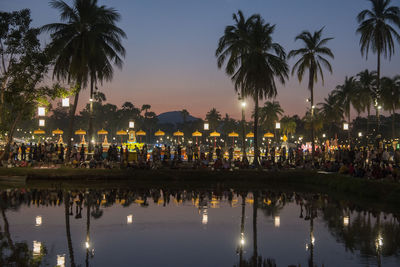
(170, 62)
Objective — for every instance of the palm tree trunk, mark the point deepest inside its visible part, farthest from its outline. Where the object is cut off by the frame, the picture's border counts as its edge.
(87, 229)
(393, 123)
(7, 229)
(256, 150)
(378, 89)
(68, 229)
(242, 231)
(243, 135)
(368, 121)
(71, 123)
(348, 131)
(255, 207)
(10, 136)
(311, 87)
(90, 131)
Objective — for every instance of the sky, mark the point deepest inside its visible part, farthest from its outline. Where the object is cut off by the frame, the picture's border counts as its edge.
(171, 65)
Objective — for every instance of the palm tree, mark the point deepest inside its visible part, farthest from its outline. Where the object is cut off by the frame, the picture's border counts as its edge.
(185, 115)
(253, 61)
(145, 108)
(312, 58)
(331, 111)
(213, 117)
(367, 92)
(84, 47)
(346, 95)
(288, 125)
(377, 32)
(391, 97)
(269, 114)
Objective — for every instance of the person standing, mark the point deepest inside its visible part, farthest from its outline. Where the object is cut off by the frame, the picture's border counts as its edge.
(23, 152)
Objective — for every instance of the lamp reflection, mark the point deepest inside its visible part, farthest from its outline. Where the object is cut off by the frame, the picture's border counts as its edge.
(277, 221)
(129, 219)
(205, 217)
(38, 220)
(61, 260)
(37, 246)
(346, 221)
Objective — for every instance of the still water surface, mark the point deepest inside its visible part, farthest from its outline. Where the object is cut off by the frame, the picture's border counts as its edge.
(162, 227)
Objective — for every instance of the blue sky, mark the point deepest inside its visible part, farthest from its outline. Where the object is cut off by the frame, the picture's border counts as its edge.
(170, 60)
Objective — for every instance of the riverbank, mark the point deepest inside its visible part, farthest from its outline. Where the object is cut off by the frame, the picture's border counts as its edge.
(368, 191)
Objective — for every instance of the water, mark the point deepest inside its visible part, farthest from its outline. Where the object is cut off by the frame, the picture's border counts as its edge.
(193, 227)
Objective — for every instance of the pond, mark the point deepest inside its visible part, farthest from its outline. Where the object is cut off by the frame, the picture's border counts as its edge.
(191, 227)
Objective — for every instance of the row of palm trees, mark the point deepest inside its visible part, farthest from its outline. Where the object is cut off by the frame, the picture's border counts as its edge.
(360, 92)
(254, 61)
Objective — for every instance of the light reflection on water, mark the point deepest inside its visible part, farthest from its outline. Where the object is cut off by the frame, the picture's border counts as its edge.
(156, 227)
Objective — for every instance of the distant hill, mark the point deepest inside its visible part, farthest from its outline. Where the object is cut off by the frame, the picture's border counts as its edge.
(174, 117)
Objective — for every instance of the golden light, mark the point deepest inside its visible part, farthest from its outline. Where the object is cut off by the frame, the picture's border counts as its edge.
(277, 221)
(60, 260)
(243, 104)
(277, 125)
(379, 242)
(242, 239)
(129, 219)
(65, 102)
(41, 123)
(36, 248)
(323, 135)
(41, 111)
(206, 126)
(360, 134)
(87, 245)
(131, 124)
(345, 126)
(205, 217)
(346, 220)
(38, 220)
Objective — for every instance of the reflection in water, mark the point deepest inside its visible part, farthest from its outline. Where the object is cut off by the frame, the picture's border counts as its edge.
(371, 235)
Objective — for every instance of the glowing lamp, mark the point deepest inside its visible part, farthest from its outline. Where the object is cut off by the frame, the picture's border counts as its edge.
(41, 111)
(36, 248)
(243, 104)
(206, 126)
(345, 126)
(41, 123)
(65, 102)
(277, 125)
(346, 220)
(131, 124)
(360, 134)
(60, 260)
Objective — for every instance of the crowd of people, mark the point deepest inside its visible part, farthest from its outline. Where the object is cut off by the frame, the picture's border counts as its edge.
(370, 162)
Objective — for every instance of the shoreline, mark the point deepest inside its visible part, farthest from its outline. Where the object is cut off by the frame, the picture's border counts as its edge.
(369, 192)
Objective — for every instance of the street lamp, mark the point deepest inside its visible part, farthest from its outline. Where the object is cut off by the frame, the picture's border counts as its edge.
(243, 104)
(41, 123)
(206, 126)
(41, 111)
(323, 135)
(345, 126)
(65, 102)
(360, 134)
(131, 124)
(277, 125)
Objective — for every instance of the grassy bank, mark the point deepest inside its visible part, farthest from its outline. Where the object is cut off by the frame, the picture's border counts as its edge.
(368, 191)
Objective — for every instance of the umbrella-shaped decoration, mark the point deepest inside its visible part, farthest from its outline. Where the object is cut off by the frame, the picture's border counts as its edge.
(159, 133)
(81, 133)
(250, 135)
(141, 133)
(215, 134)
(59, 132)
(39, 132)
(178, 134)
(103, 132)
(197, 134)
(122, 133)
(233, 135)
(269, 135)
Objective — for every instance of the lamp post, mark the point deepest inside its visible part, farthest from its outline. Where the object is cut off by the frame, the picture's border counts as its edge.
(243, 104)
(277, 127)
(206, 128)
(346, 127)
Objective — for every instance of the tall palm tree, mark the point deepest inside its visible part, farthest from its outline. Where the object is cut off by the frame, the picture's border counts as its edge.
(346, 95)
(253, 61)
(85, 47)
(312, 58)
(377, 33)
(331, 111)
(390, 94)
(366, 91)
(213, 117)
(269, 114)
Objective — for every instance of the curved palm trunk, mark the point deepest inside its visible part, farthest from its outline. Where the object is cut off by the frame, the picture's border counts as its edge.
(7, 229)
(348, 131)
(71, 124)
(68, 230)
(393, 123)
(243, 136)
(368, 121)
(91, 116)
(256, 150)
